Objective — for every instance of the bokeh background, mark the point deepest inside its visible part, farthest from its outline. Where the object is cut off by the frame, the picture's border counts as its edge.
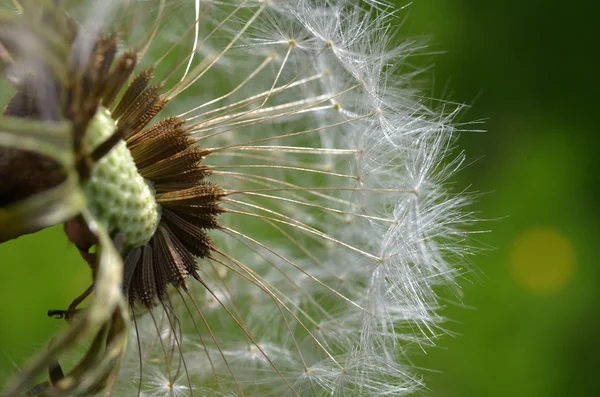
(529, 321)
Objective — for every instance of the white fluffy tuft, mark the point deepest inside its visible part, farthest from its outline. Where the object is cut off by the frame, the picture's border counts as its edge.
(341, 231)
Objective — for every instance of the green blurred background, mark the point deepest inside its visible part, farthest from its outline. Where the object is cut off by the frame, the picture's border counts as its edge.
(532, 311)
(530, 315)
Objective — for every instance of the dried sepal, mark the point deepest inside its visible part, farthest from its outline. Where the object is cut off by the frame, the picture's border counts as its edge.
(49, 139)
(40, 37)
(34, 201)
(106, 317)
(48, 208)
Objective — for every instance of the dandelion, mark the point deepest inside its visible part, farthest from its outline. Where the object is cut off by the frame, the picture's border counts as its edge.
(256, 186)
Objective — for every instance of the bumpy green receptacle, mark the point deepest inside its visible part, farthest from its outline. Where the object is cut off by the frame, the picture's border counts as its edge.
(117, 194)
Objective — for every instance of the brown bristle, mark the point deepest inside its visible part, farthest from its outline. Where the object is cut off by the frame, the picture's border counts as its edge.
(184, 180)
(176, 164)
(106, 56)
(129, 267)
(80, 110)
(204, 216)
(98, 65)
(118, 77)
(133, 91)
(205, 193)
(167, 260)
(172, 264)
(190, 234)
(145, 101)
(89, 76)
(170, 125)
(151, 151)
(162, 264)
(187, 259)
(144, 119)
(145, 278)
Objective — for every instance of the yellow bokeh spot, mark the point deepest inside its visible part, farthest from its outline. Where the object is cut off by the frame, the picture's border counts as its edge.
(542, 260)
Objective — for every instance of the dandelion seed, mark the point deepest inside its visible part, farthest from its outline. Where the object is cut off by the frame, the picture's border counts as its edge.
(273, 184)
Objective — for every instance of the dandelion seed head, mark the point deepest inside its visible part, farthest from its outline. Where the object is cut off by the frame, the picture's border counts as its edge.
(294, 171)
